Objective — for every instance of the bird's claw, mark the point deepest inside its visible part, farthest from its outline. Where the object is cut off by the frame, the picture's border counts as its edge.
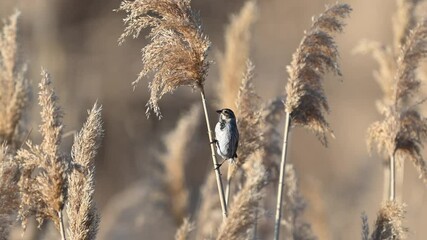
(217, 166)
(214, 141)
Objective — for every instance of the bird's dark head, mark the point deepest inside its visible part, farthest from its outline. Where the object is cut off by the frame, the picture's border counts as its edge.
(226, 114)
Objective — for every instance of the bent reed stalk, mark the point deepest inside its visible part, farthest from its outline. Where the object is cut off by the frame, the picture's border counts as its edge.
(306, 101)
(214, 160)
(61, 225)
(392, 186)
(282, 178)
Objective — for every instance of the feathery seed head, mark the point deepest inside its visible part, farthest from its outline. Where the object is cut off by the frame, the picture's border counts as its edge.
(51, 115)
(178, 48)
(184, 230)
(232, 62)
(403, 20)
(178, 146)
(412, 52)
(317, 54)
(365, 227)
(389, 222)
(245, 204)
(384, 76)
(248, 117)
(14, 87)
(403, 130)
(43, 182)
(83, 217)
(9, 193)
(296, 227)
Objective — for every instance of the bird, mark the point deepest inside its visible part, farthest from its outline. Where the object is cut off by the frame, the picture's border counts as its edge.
(226, 135)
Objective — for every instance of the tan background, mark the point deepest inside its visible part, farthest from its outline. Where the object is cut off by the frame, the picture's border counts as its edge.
(77, 42)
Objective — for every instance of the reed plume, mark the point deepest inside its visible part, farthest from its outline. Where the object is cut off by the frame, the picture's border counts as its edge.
(403, 21)
(43, 182)
(384, 76)
(271, 115)
(365, 227)
(208, 215)
(176, 55)
(83, 218)
(317, 54)
(249, 117)
(9, 193)
(389, 222)
(243, 208)
(249, 123)
(306, 101)
(14, 95)
(178, 144)
(232, 62)
(387, 57)
(295, 226)
(402, 132)
(184, 230)
(14, 86)
(177, 51)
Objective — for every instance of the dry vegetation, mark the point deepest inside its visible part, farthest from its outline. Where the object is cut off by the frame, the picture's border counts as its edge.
(47, 179)
(39, 179)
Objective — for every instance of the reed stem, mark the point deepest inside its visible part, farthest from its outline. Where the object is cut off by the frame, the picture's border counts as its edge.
(214, 160)
(228, 186)
(392, 196)
(282, 178)
(61, 225)
(386, 180)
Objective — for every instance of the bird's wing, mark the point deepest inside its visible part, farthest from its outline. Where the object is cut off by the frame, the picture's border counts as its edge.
(236, 143)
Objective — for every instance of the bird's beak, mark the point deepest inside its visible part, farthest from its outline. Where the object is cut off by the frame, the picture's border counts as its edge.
(219, 111)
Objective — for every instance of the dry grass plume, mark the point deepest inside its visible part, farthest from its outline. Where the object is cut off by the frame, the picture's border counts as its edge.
(249, 117)
(402, 132)
(365, 227)
(178, 149)
(83, 218)
(317, 54)
(208, 215)
(9, 193)
(14, 86)
(43, 182)
(184, 230)
(295, 227)
(389, 222)
(232, 62)
(178, 48)
(243, 208)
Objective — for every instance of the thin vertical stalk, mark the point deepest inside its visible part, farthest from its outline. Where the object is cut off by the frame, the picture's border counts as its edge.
(228, 186)
(386, 180)
(282, 178)
(214, 160)
(61, 225)
(255, 234)
(392, 196)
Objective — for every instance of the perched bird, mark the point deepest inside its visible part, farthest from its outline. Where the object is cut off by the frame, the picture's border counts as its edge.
(227, 135)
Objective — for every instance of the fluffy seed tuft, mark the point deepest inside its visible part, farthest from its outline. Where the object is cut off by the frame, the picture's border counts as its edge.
(178, 48)
(317, 54)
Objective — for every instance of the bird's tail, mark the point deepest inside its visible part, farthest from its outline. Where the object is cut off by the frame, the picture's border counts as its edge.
(231, 165)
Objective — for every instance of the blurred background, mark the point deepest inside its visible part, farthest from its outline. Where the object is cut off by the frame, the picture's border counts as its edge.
(76, 41)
